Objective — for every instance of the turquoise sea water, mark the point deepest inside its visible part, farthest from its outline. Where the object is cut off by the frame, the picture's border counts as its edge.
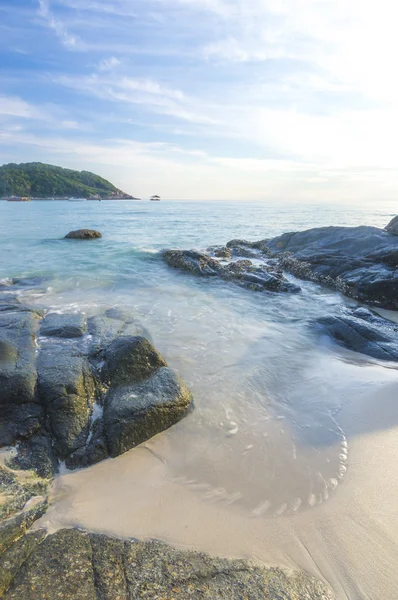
(265, 430)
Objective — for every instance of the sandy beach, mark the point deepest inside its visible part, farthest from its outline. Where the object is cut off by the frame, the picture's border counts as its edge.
(350, 541)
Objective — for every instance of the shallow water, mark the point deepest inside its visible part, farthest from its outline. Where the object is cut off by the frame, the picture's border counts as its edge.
(266, 439)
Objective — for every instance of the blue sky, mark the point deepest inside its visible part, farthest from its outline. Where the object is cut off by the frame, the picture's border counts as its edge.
(213, 99)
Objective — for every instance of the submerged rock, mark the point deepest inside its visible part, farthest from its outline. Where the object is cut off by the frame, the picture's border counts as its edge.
(242, 272)
(363, 331)
(73, 565)
(83, 234)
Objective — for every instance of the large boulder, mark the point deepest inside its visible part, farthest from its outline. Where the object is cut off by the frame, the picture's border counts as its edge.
(59, 374)
(360, 262)
(392, 227)
(134, 412)
(363, 331)
(75, 565)
(83, 234)
(17, 358)
(66, 389)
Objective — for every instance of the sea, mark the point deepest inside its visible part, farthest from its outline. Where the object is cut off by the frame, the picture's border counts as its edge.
(265, 439)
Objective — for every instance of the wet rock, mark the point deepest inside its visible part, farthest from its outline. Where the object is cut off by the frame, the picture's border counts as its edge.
(51, 404)
(221, 252)
(83, 234)
(130, 360)
(242, 272)
(74, 565)
(60, 567)
(71, 325)
(16, 488)
(66, 388)
(15, 556)
(95, 450)
(193, 261)
(363, 331)
(135, 412)
(17, 358)
(392, 227)
(14, 528)
(19, 422)
(36, 453)
(360, 262)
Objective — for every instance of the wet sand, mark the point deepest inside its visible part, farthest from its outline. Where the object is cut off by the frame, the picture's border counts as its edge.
(350, 541)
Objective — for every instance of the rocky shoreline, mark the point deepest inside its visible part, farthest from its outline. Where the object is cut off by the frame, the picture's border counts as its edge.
(75, 390)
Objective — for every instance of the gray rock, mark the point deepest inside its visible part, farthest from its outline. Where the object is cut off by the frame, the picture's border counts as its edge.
(19, 421)
(36, 453)
(130, 360)
(74, 565)
(193, 261)
(95, 450)
(392, 227)
(242, 272)
(66, 388)
(363, 331)
(360, 262)
(17, 358)
(221, 252)
(135, 412)
(72, 325)
(83, 234)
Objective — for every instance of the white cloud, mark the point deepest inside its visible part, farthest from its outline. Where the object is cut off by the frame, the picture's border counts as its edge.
(71, 42)
(108, 64)
(16, 107)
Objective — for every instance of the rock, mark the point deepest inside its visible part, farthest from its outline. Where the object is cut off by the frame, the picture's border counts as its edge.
(193, 261)
(363, 331)
(221, 252)
(51, 405)
(242, 272)
(17, 488)
(360, 262)
(17, 358)
(95, 450)
(130, 360)
(135, 412)
(392, 227)
(19, 422)
(15, 556)
(73, 565)
(83, 234)
(60, 567)
(36, 453)
(14, 528)
(63, 325)
(66, 388)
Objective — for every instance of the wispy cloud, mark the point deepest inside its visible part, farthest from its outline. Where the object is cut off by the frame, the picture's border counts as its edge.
(108, 64)
(69, 40)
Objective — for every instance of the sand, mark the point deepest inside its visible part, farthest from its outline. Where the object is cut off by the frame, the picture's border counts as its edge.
(350, 541)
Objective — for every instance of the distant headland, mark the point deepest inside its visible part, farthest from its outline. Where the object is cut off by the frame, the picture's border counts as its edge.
(40, 181)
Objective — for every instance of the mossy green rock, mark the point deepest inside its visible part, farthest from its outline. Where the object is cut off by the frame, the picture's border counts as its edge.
(131, 359)
(74, 565)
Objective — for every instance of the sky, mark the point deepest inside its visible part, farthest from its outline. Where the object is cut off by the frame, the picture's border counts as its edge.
(274, 100)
